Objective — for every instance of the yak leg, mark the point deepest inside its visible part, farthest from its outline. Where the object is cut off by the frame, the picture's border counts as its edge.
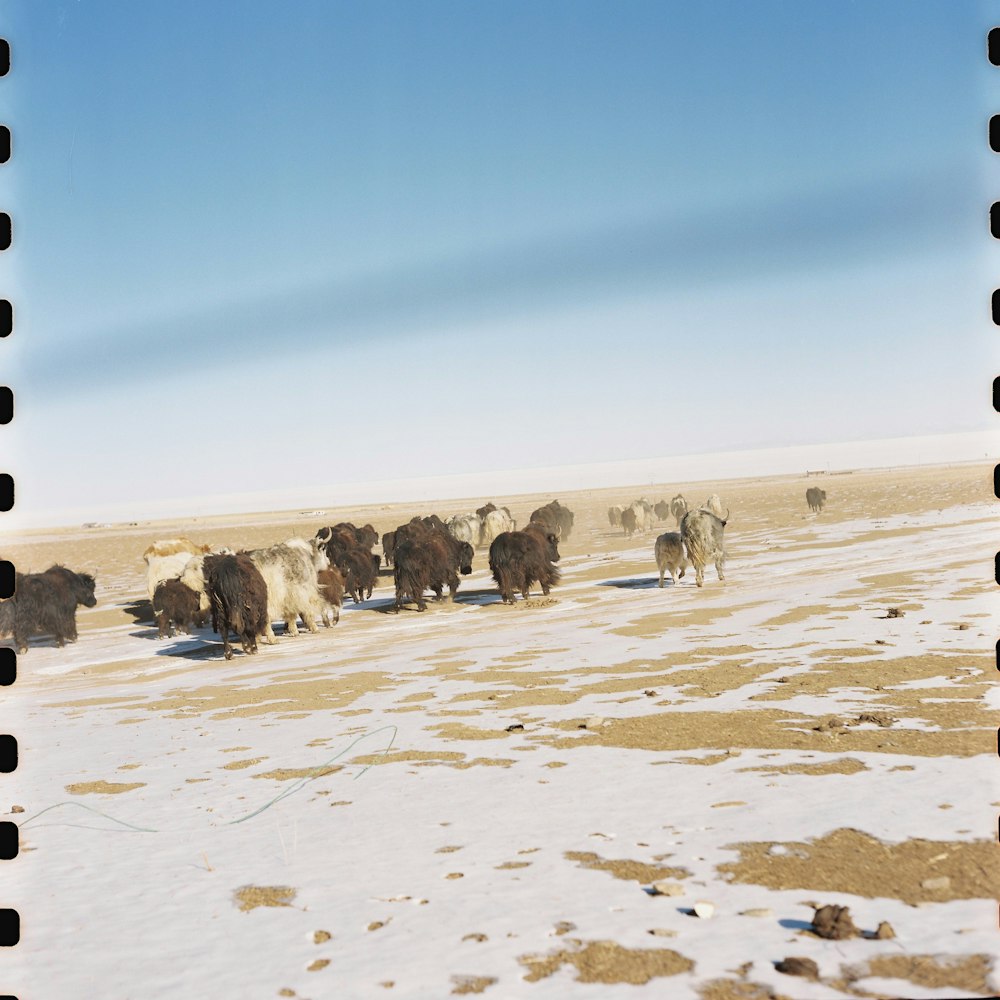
(699, 575)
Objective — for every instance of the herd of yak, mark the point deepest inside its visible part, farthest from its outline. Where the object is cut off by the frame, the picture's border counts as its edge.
(245, 592)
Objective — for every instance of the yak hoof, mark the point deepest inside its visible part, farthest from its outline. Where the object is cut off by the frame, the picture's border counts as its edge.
(228, 654)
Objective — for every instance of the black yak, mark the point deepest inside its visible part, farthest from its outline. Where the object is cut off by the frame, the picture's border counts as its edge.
(388, 547)
(428, 558)
(554, 517)
(175, 604)
(628, 521)
(45, 604)
(520, 558)
(238, 595)
(815, 497)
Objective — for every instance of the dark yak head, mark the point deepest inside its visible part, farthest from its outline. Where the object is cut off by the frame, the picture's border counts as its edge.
(465, 554)
(83, 590)
(553, 545)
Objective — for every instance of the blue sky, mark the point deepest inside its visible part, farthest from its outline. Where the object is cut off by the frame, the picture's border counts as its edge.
(341, 242)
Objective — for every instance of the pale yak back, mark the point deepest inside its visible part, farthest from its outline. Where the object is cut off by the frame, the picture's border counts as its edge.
(702, 533)
(292, 588)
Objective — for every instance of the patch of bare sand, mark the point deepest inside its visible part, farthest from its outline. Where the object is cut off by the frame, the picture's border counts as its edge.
(103, 787)
(844, 765)
(409, 756)
(465, 985)
(955, 707)
(965, 974)
(852, 861)
(800, 614)
(738, 989)
(289, 773)
(268, 697)
(239, 765)
(458, 731)
(627, 871)
(765, 729)
(249, 897)
(661, 621)
(607, 962)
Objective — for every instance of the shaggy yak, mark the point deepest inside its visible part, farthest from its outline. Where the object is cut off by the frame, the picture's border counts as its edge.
(45, 604)
(238, 595)
(428, 558)
(349, 550)
(331, 589)
(702, 534)
(520, 558)
(815, 497)
(176, 605)
(678, 507)
(628, 520)
(556, 518)
(669, 553)
(662, 510)
(388, 547)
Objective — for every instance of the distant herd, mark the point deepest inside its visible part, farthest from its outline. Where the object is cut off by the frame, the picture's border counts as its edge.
(245, 592)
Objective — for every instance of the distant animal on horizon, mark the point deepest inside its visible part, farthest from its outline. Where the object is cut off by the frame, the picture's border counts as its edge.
(713, 505)
(176, 606)
(702, 533)
(496, 522)
(669, 553)
(678, 507)
(555, 518)
(816, 498)
(45, 604)
(629, 521)
(643, 515)
(466, 528)
(520, 558)
(239, 600)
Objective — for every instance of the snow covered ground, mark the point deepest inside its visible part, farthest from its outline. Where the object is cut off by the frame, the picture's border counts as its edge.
(480, 798)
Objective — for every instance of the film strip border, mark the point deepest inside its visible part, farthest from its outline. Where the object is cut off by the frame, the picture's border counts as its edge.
(10, 921)
(993, 54)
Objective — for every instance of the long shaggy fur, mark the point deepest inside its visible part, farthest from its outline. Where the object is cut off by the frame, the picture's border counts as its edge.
(292, 589)
(702, 533)
(45, 604)
(176, 605)
(520, 558)
(428, 557)
(554, 517)
(238, 595)
(669, 552)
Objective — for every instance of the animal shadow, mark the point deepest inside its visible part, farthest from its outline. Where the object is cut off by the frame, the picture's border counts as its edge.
(636, 583)
(141, 611)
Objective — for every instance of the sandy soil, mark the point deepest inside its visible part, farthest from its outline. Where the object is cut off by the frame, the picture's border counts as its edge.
(805, 703)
